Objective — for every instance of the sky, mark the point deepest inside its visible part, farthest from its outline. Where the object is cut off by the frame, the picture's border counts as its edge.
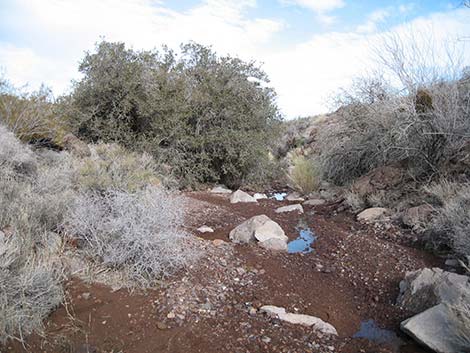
(308, 48)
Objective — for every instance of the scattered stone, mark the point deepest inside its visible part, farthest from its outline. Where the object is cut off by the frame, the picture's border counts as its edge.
(205, 229)
(161, 325)
(241, 196)
(299, 319)
(266, 339)
(86, 295)
(171, 315)
(259, 196)
(294, 196)
(218, 242)
(417, 217)
(220, 189)
(372, 214)
(314, 202)
(76, 146)
(290, 208)
(252, 311)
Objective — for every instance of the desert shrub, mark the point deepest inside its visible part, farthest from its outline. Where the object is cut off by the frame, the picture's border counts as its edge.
(29, 290)
(268, 173)
(421, 122)
(33, 196)
(111, 166)
(32, 116)
(208, 117)
(451, 225)
(139, 233)
(304, 175)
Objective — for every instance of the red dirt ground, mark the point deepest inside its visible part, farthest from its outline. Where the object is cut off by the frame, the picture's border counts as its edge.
(351, 276)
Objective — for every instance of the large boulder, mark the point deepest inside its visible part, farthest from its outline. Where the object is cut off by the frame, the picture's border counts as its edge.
(261, 229)
(241, 196)
(442, 302)
(299, 319)
(422, 289)
(76, 146)
(442, 328)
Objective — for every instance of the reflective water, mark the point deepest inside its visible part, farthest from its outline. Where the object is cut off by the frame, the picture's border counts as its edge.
(371, 331)
(303, 242)
(279, 196)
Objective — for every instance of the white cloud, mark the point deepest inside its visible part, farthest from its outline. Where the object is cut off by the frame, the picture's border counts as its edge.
(406, 8)
(304, 74)
(373, 20)
(319, 6)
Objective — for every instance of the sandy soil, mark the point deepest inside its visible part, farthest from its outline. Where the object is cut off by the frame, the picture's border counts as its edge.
(351, 276)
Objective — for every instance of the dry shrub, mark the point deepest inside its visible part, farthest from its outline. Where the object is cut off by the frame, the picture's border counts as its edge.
(421, 122)
(32, 117)
(139, 232)
(304, 175)
(451, 225)
(111, 166)
(29, 290)
(32, 199)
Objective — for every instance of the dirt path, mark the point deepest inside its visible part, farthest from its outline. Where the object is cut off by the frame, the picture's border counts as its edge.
(351, 276)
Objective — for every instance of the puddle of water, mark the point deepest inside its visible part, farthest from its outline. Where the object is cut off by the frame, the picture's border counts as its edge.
(303, 242)
(279, 196)
(371, 331)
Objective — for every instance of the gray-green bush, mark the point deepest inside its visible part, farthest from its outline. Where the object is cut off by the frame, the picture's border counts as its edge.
(210, 118)
(140, 233)
(32, 199)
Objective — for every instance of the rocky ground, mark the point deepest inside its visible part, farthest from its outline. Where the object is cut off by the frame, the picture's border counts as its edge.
(351, 277)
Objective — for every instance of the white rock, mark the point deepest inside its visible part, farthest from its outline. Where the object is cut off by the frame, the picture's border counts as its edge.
(269, 230)
(299, 319)
(241, 196)
(262, 229)
(220, 190)
(259, 196)
(372, 214)
(294, 196)
(290, 208)
(205, 229)
(314, 202)
(245, 232)
(274, 244)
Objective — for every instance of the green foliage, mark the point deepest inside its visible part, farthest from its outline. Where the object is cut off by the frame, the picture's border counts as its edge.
(208, 117)
(304, 175)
